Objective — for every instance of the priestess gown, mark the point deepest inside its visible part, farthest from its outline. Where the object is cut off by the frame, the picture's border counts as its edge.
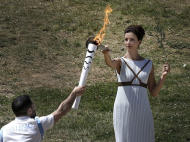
(132, 116)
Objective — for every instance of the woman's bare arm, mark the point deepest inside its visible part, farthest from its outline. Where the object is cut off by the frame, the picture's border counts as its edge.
(113, 63)
(154, 87)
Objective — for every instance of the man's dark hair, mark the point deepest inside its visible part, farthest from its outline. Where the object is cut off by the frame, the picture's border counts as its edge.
(137, 30)
(21, 104)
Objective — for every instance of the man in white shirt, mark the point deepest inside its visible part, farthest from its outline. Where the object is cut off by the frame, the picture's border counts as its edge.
(27, 127)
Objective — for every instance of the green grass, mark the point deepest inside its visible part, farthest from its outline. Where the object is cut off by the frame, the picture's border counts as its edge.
(42, 52)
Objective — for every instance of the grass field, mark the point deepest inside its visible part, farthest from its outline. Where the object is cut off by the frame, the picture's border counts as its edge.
(42, 48)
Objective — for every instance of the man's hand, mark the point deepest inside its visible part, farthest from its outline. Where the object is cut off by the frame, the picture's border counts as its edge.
(66, 105)
(78, 91)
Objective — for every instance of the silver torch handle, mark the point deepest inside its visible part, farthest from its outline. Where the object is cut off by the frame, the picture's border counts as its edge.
(86, 67)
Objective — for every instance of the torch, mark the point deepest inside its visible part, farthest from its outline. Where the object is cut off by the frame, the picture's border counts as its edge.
(92, 44)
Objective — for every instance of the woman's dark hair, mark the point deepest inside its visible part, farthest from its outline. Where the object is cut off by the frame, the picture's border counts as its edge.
(21, 104)
(137, 30)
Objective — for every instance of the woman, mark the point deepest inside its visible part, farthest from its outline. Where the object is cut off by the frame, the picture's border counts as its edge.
(132, 117)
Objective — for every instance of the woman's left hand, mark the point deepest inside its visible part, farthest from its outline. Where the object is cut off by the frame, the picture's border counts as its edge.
(165, 70)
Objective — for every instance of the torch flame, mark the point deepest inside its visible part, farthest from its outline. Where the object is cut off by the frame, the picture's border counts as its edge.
(99, 37)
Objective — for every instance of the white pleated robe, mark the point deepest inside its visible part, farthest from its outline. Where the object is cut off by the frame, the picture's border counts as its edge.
(132, 116)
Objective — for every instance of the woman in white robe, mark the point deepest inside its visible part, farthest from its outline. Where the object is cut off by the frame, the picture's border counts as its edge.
(132, 117)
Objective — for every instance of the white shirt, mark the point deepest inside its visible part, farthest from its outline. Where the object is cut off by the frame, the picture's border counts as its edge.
(25, 129)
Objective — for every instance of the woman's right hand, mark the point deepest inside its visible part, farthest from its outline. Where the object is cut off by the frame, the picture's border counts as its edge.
(105, 50)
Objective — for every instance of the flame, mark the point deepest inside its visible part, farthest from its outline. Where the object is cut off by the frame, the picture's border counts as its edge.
(99, 37)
